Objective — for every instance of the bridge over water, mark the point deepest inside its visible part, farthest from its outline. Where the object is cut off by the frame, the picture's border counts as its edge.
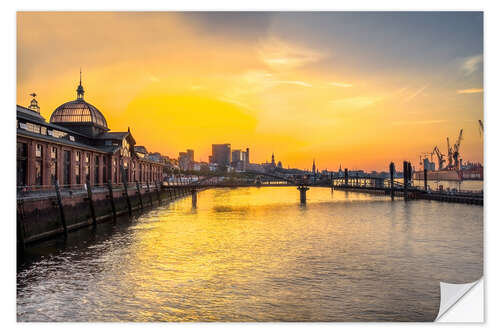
(368, 184)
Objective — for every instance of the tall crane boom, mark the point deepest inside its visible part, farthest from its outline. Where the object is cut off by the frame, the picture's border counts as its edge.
(439, 156)
(450, 153)
(456, 149)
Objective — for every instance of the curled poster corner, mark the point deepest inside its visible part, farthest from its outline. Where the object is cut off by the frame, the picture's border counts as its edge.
(451, 293)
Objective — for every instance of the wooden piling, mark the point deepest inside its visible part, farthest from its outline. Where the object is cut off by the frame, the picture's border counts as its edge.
(405, 180)
(158, 192)
(124, 179)
(391, 171)
(150, 195)
(112, 200)
(139, 194)
(91, 203)
(175, 188)
(169, 188)
(21, 232)
(61, 209)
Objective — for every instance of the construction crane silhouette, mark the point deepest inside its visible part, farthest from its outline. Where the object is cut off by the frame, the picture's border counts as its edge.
(456, 149)
(449, 153)
(439, 156)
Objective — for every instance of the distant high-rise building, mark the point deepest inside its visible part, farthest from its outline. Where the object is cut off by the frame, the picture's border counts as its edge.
(190, 153)
(247, 159)
(186, 160)
(314, 167)
(221, 154)
(237, 155)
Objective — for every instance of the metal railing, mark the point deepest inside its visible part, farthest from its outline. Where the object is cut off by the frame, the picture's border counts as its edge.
(49, 191)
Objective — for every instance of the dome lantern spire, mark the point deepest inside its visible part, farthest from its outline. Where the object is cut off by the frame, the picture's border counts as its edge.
(79, 90)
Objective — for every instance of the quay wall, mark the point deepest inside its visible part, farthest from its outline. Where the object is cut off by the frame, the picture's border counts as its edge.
(39, 215)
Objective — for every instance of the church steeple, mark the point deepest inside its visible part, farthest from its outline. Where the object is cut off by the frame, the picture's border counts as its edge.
(79, 90)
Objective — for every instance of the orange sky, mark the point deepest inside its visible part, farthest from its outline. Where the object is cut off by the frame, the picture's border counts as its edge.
(298, 85)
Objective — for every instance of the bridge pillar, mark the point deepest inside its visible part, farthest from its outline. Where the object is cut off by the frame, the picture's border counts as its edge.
(303, 189)
(405, 179)
(410, 173)
(425, 179)
(194, 197)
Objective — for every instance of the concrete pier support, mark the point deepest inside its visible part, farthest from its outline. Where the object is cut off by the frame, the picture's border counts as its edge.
(194, 197)
(303, 190)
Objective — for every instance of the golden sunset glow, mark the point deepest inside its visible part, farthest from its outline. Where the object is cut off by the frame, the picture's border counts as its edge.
(298, 86)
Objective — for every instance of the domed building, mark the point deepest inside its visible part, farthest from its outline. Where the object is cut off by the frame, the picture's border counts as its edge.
(76, 146)
(80, 115)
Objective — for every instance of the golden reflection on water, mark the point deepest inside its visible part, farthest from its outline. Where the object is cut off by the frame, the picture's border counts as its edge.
(255, 254)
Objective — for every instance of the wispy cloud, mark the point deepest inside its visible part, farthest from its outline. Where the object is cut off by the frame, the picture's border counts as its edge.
(471, 64)
(298, 83)
(279, 54)
(415, 94)
(340, 84)
(235, 102)
(358, 102)
(470, 91)
(419, 122)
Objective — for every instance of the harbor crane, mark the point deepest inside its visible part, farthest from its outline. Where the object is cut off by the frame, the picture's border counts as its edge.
(449, 153)
(439, 156)
(456, 149)
(424, 155)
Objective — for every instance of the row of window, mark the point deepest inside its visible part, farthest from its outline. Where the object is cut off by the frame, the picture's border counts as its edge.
(34, 128)
(80, 164)
(22, 165)
(85, 118)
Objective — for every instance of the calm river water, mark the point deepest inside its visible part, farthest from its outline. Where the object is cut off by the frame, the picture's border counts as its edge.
(255, 254)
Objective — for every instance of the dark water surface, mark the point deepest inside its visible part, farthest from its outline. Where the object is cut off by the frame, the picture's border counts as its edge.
(255, 254)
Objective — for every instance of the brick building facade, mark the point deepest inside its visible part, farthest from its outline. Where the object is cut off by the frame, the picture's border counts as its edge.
(75, 146)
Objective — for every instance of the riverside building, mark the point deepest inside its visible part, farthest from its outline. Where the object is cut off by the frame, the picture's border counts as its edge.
(77, 146)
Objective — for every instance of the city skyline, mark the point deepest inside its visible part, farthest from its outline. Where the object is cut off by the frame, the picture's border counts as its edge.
(325, 89)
